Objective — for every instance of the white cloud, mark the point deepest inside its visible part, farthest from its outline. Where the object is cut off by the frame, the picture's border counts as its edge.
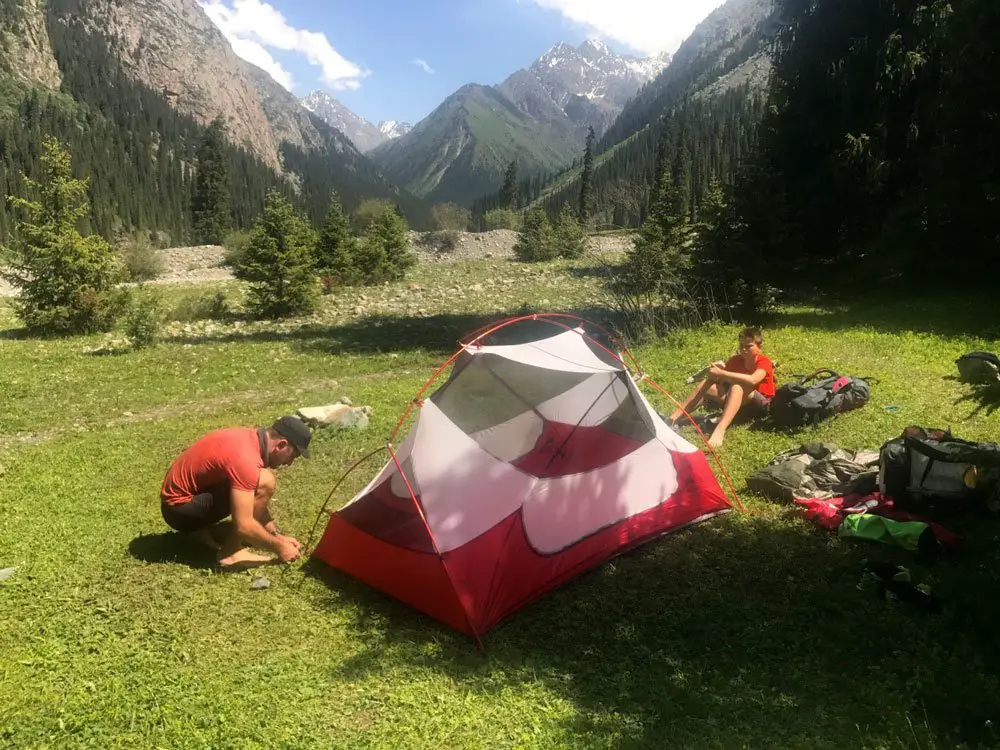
(422, 64)
(252, 26)
(648, 25)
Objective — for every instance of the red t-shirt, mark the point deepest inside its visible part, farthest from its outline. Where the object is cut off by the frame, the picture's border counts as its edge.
(231, 455)
(766, 387)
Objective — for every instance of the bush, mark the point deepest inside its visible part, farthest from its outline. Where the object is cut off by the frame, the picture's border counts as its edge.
(142, 261)
(442, 242)
(536, 241)
(142, 319)
(451, 216)
(235, 246)
(569, 238)
(278, 262)
(502, 218)
(201, 306)
(370, 210)
(66, 282)
(384, 253)
(335, 250)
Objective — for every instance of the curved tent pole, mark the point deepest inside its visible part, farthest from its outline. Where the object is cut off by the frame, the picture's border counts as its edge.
(437, 551)
(322, 510)
(489, 330)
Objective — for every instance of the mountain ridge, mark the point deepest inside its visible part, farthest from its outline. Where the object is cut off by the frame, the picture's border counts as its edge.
(538, 116)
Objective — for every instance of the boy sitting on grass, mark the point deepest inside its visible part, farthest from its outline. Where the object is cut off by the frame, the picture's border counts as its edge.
(745, 381)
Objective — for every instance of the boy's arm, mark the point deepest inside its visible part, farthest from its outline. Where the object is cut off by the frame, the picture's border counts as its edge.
(748, 381)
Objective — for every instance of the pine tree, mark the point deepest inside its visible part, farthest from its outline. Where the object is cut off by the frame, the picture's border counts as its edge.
(278, 262)
(66, 281)
(334, 254)
(509, 193)
(568, 234)
(586, 179)
(535, 241)
(384, 252)
(210, 212)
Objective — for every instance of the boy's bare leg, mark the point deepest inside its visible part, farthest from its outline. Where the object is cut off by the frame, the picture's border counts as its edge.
(707, 388)
(738, 396)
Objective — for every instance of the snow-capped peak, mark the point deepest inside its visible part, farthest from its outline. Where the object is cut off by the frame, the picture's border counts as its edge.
(394, 128)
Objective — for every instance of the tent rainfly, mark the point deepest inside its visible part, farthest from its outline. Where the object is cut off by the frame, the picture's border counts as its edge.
(531, 463)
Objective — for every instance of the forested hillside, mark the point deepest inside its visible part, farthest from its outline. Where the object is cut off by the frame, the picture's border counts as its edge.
(880, 156)
(139, 151)
(708, 102)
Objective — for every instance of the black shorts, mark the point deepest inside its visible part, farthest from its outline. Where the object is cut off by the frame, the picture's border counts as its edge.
(201, 511)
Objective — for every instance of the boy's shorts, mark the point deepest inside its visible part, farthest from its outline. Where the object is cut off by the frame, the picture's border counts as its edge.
(201, 511)
(758, 399)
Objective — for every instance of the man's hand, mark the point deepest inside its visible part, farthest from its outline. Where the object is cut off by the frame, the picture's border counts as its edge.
(716, 373)
(288, 549)
(293, 540)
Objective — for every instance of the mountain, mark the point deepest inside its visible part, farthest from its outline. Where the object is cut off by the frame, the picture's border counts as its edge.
(538, 116)
(703, 108)
(25, 52)
(392, 129)
(131, 86)
(361, 133)
(590, 84)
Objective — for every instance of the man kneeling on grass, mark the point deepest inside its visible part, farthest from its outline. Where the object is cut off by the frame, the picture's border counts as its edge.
(745, 381)
(228, 472)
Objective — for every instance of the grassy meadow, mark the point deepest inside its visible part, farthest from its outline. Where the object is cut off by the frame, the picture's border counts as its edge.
(747, 631)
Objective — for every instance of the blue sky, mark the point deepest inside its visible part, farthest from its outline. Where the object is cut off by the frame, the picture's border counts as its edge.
(396, 59)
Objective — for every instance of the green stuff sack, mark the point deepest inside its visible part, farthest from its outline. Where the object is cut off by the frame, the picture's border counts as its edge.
(915, 536)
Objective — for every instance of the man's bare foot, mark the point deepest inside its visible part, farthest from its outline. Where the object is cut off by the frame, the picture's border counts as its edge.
(244, 559)
(715, 442)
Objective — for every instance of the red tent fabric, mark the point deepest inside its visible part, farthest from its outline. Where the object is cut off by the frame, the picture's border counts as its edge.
(530, 464)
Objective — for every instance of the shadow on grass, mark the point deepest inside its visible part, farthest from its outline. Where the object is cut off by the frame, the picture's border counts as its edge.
(944, 315)
(984, 397)
(385, 334)
(737, 628)
(171, 547)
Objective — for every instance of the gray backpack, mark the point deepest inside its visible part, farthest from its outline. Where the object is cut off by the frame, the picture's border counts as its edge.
(979, 367)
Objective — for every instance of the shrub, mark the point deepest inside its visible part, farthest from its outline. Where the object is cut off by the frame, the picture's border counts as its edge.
(278, 262)
(384, 253)
(142, 319)
(443, 241)
(536, 241)
(142, 261)
(235, 246)
(370, 210)
(334, 255)
(569, 238)
(201, 306)
(502, 218)
(66, 282)
(450, 216)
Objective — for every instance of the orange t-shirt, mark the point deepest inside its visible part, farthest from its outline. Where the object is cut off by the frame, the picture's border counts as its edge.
(230, 455)
(766, 387)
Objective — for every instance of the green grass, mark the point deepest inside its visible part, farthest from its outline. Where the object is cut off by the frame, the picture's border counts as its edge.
(746, 631)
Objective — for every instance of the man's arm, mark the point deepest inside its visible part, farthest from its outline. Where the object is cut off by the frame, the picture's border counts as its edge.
(247, 525)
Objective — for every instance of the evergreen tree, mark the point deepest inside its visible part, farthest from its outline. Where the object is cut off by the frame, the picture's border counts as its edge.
(586, 178)
(210, 212)
(335, 249)
(535, 241)
(569, 239)
(66, 281)
(384, 254)
(278, 262)
(509, 194)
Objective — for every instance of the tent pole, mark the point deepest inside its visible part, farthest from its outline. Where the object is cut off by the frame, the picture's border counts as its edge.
(437, 551)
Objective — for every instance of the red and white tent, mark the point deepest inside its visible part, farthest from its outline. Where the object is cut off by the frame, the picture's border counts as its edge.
(530, 464)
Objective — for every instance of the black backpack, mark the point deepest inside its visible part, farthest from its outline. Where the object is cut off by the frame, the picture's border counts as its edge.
(979, 367)
(934, 473)
(806, 402)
